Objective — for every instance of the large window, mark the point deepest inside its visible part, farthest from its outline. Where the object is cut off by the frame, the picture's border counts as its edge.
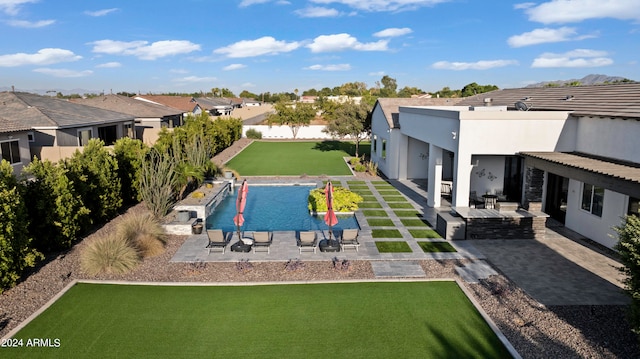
(10, 151)
(375, 144)
(592, 199)
(84, 135)
(384, 149)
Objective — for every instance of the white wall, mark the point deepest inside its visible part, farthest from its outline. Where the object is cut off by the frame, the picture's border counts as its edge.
(488, 175)
(596, 228)
(284, 132)
(380, 128)
(417, 159)
(614, 138)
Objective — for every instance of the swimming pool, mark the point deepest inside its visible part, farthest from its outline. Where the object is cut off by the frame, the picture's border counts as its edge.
(274, 208)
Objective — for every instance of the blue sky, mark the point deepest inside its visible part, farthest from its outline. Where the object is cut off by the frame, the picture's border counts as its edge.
(279, 45)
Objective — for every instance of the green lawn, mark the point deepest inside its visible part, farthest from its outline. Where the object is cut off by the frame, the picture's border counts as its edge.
(400, 205)
(386, 233)
(380, 222)
(375, 213)
(413, 222)
(424, 233)
(292, 159)
(393, 247)
(369, 205)
(383, 320)
(430, 247)
(394, 198)
(411, 213)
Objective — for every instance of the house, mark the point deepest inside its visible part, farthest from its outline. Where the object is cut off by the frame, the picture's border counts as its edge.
(186, 104)
(150, 117)
(570, 152)
(216, 106)
(14, 143)
(59, 127)
(386, 137)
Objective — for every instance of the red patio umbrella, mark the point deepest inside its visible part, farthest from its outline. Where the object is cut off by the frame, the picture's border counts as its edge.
(330, 217)
(241, 202)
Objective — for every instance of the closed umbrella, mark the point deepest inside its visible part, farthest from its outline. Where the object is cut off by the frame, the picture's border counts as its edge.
(241, 202)
(330, 217)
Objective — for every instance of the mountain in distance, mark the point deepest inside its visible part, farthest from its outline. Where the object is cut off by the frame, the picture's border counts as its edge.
(592, 79)
(51, 92)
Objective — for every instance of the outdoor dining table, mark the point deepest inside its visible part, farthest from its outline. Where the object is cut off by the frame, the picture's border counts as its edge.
(490, 201)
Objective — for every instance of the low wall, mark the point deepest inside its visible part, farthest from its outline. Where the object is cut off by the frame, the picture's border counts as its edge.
(284, 132)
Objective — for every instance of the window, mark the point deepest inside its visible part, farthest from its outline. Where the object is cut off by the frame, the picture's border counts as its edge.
(108, 134)
(84, 135)
(592, 199)
(384, 149)
(10, 151)
(128, 130)
(634, 206)
(375, 144)
(31, 137)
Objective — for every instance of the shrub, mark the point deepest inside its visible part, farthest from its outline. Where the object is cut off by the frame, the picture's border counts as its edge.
(354, 161)
(108, 253)
(16, 253)
(143, 232)
(129, 154)
(253, 133)
(157, 182)
(360, 168)
(372, 167)
(628, 247)
(343, 200)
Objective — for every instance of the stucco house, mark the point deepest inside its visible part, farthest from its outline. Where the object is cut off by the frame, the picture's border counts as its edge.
(386, 138)
(186, 104)
(569, 152)
(150, 117)
(14, 143)
(59, 127)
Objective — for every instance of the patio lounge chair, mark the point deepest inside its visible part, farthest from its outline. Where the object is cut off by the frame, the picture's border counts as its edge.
(307, 240)
(217, 240)
(262, 240)
(349, 239)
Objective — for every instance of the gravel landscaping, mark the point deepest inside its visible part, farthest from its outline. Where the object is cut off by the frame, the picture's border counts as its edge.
(534, 330)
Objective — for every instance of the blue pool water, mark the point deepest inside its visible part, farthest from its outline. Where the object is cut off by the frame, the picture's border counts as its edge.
(274, 208)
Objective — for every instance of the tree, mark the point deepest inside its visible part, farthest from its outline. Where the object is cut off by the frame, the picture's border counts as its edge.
(293, 116)
(407, 92)
(247, 94)
(389, 88)
(628, 247)
(129, 154)
(351, 120)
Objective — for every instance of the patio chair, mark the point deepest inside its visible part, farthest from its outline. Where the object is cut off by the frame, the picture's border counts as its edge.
(217, 240)
(262, 240)
(349, 239)
(307, 241)
(474, 201)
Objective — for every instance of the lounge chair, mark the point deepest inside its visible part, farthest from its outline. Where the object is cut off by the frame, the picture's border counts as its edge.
(262, 240)
(307, 241)
(349, 239)
(217, 240)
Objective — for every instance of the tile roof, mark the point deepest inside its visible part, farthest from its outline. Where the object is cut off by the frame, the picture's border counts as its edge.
(37, 111)
(8, 126)
(182, 103)
(624, 171)
(391, 106)
(619, 100)
(209, 103)
(129, 106)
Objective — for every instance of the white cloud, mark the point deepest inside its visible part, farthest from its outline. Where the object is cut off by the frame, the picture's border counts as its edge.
(63, 72)
(565, 11)
(196, 79)
(314, 11)
(266, 45)
(102, 12)
(479, 65)
(42, 57)
(234, 67)
(334, 67)
(247, 85)
(545, 35)
(377, 73)
(12, 7)
(245, 3)
(393, 32)
(341, 42)
(383, 5)
(574, 58)
(109, 65)
(143, 50)
(30, 24)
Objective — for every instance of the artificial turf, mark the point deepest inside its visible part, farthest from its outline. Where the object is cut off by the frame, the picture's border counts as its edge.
(407, 213)
(414, 222)
(383, 320)
(369, 205)
(386, 233)
(375, 213)
(430, 247)
(380, 222)
(393, 247)
(291, 159)
(423, 233)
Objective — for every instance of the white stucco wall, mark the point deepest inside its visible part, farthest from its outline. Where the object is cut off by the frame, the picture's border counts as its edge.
(380, 128)
(596, 228)
(487, 176)
(23, 144)
(614, 138)
(284, 132)
(417, 159)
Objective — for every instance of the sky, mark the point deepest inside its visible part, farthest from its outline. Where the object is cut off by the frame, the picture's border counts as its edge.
(275, 46)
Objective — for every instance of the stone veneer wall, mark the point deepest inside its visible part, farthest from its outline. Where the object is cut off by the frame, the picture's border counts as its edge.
(528, 227)
(533, 186)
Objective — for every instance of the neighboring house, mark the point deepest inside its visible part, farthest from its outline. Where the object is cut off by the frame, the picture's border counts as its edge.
(216, 106)
(308, 99)
(186, 104)
(251, 102)
(60, 127)
(150, 117)
(14, 142)
(572, 152)
(386, 138)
